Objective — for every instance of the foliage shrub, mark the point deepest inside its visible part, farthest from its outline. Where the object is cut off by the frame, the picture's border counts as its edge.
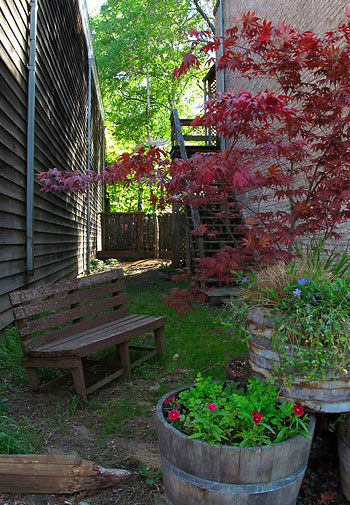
(16, 437)
(288, 149)
(225, 414)
(10, 357)
(310, 302)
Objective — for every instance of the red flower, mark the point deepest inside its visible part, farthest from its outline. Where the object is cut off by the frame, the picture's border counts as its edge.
(174, 414)
(170, 400)
(212, 406)
(298, 410)
(256, 417)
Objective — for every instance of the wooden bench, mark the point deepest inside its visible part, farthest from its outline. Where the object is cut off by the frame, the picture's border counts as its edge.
(61, 324)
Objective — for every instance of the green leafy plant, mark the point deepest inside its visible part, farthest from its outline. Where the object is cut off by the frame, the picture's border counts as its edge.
(309, 299)
(111, 262)
(234, 317)
(65, 411)
(225, 414)
(114, 414)
(150, 478)
(319, 259)
(10, 359)
(96, 264)
(314, 316)
(16, 437)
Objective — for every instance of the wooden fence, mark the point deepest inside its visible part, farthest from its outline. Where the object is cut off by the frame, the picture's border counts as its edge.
(137, 234)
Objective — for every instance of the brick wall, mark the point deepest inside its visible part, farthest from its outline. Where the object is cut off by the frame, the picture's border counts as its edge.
(318, 16)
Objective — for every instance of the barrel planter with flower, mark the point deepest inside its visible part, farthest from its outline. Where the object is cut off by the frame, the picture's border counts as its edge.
(343, 435)
(198, 473)
(331, 394)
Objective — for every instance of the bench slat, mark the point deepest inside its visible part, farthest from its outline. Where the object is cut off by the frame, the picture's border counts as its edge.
(98, 345)
(102, 338)
(28, 327)
(29, 295)
(66, 300)
(86, 324)
(108, 327)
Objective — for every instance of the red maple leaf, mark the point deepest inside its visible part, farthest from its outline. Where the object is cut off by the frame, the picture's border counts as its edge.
(325, 498)
(188, 60)
(301, 208)
(265, 36)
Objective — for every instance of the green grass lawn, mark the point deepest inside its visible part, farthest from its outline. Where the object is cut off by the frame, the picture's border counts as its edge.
(195, 343)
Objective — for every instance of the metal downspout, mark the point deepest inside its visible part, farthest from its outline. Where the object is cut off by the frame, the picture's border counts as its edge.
(102, 169)
(223, 84)
(30, 137)
(88, 223)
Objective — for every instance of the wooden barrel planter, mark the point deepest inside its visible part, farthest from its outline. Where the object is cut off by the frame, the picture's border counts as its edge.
(331, 395)
(343, 435)
(196, 473)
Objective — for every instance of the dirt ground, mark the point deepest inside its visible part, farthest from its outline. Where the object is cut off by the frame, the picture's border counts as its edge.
(78, 432)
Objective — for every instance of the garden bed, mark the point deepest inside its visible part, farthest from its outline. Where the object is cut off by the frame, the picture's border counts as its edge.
(117, 428)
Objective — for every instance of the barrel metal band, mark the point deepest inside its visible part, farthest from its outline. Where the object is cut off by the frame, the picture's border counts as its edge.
(220, 487)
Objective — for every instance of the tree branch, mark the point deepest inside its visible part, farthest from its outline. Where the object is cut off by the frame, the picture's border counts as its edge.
(204, 16)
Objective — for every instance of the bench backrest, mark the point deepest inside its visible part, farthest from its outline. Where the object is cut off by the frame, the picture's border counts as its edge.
(57, 310)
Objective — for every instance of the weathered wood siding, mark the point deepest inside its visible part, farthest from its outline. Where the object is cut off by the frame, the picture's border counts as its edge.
(60, 141)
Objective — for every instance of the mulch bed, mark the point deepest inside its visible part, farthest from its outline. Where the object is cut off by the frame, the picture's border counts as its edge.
(321, 485)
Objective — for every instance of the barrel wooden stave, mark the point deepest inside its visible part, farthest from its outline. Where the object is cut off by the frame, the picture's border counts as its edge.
(343, 436)
(181, 492)
(196, 473)
(331, 395)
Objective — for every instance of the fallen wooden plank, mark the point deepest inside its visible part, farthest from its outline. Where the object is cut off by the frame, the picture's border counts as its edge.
(54, 474)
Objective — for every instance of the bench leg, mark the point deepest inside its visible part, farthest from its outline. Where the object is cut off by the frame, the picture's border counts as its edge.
(33, 377)
(79, 380)
(158, 335)
(124, 355)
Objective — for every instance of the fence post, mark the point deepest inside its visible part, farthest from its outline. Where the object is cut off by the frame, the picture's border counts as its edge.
(156, 236)
(176, 236)
(139, 230)
(103, 230)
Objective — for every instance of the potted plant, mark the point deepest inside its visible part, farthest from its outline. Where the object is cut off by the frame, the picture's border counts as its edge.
(221, 444)
(298, 317)
(343, 436)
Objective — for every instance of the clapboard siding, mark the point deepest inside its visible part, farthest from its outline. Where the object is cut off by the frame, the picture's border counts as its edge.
(12, 251)
(60, 141)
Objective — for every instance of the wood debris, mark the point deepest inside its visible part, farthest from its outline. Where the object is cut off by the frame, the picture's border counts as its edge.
(54, 474)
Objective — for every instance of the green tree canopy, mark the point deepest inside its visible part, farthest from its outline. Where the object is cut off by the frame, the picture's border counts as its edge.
(138, 43)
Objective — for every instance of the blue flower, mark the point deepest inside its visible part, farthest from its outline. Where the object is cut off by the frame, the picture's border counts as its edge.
(314, 299)
(297, 292)
(244, 279)
(303, 281)
(337, 287)
(325, 328)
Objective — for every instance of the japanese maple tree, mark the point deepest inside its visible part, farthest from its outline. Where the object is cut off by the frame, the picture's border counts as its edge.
(287, 147)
